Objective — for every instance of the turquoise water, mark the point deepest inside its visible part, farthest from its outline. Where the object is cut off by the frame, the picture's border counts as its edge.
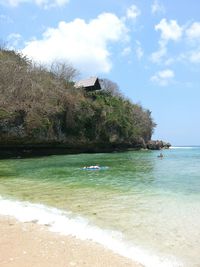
(141, 206)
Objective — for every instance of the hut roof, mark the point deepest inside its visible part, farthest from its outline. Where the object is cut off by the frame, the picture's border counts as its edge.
(87, 83)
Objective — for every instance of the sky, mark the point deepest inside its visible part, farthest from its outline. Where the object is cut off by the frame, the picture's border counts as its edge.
(150, 48)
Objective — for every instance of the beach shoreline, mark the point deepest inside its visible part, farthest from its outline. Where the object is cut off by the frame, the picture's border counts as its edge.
(30, 244)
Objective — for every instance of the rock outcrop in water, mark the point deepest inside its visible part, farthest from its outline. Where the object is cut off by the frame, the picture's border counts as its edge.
(41, 112)
(157, 145)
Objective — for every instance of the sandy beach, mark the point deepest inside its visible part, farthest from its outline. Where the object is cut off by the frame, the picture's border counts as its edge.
(29, 244)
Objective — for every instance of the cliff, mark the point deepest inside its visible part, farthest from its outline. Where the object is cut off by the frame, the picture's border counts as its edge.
(40, 109)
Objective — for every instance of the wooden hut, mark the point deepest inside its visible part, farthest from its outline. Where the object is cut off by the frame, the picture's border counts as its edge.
(90, 84)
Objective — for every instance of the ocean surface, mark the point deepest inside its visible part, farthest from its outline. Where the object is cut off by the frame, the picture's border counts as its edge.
(141, 206)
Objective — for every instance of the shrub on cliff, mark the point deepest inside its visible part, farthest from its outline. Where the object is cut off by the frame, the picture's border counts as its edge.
(40, 105)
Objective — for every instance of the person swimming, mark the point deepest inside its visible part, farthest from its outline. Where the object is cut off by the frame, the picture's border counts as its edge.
(95, 167)
(160, 156)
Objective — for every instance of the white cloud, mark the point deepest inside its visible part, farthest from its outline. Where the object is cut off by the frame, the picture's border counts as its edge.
(169, 30)
(190, 56)
(85, 45)
(163, 78)
(6, 19)
(157, 56)
(41, 3)
(13, 40)
(157, 8)
(139, 51)
(187, 51)
(170, 61)
(126, 51)
(194, 56)
(193, 36)
(193, 32)
(133, 12)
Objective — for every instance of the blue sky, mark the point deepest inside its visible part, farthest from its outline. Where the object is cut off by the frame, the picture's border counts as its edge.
(150, 48)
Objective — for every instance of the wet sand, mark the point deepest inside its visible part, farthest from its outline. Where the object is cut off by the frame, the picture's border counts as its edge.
(32, 245)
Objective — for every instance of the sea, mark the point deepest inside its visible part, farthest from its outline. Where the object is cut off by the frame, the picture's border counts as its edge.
(138, 205)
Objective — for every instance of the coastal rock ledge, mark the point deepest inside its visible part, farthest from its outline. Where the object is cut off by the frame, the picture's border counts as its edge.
(35, 150)
(157, 145)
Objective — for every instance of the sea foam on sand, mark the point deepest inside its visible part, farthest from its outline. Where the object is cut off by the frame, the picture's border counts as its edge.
(66, 223)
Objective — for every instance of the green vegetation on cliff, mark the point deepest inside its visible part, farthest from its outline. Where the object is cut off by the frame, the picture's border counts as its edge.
(42, 106)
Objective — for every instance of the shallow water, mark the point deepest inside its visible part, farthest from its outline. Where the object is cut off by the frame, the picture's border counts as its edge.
(142, 206)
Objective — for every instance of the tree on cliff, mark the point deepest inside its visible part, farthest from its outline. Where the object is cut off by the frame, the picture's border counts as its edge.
(39, 105)
(110, 87)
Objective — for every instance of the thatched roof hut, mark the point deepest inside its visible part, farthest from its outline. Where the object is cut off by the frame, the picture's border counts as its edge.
(90, 84)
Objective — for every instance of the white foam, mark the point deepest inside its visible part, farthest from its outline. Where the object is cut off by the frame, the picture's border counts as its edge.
(182, 147)
(66, 223)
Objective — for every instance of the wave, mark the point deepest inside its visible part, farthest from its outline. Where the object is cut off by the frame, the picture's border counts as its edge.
(67, 223)
(183, 147)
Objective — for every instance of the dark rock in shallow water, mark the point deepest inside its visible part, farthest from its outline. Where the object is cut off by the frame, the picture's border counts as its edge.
(157, 145)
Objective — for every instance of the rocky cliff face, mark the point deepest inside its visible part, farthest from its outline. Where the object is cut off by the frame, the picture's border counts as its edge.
(42, 112)
(55, 134)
